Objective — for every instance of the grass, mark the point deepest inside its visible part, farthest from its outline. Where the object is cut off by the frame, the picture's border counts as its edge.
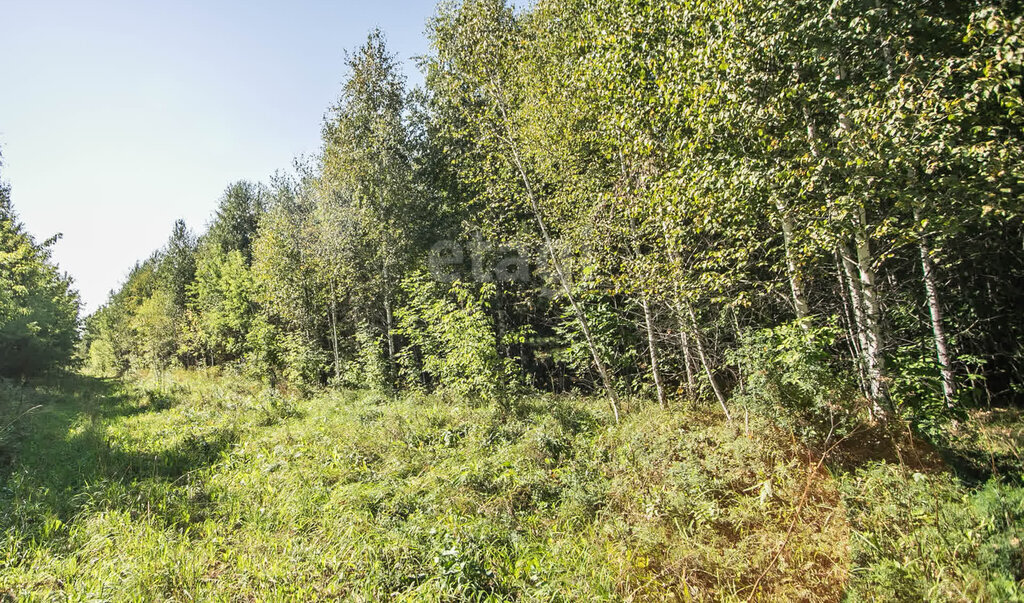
(214, 487)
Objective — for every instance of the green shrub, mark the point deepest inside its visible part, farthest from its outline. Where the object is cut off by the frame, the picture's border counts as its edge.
(787, 375)
(304, 362)
(614, 335)
(453, 340)
(916, 392)
(369, 368)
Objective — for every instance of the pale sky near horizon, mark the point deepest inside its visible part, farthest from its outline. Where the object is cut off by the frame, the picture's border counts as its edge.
(118, 117)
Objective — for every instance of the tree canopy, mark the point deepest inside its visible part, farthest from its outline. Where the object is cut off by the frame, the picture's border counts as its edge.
(624, 197)
(38, 306)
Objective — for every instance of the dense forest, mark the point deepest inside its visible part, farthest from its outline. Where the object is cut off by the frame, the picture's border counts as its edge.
(812, 207)
(804, 216)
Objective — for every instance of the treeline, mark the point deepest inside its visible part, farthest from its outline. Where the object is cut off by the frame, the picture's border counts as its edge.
(797, 204)
(38, 308)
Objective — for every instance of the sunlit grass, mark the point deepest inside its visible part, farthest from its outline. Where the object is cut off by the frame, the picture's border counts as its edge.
(198, 487)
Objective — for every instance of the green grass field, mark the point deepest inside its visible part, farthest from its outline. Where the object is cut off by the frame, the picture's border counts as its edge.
(196, 487)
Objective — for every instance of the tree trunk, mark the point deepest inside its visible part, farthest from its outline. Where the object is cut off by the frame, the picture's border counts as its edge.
(795, 281)
(852, 321)
(853, 281)
(687, 361)
(863, 294)
(563, 279)
(334, 332)
(390, 331)
(873, 333)
(653, 348)
(707, 366)
(931, 289)
(389, 324)
(684, 340)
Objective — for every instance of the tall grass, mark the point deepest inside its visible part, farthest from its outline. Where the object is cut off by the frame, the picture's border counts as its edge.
(199, 487)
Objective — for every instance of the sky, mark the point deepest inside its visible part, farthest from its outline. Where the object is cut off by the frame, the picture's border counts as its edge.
(117, 118)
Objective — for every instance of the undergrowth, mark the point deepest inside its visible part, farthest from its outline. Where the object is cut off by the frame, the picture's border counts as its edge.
(198, 486)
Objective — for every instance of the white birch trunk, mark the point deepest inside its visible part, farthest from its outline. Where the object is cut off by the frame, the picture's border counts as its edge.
(653, 348)
(931, 288)
(874, 351)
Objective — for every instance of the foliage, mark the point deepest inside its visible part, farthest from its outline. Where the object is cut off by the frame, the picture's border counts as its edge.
(155, 323)
(809, 209)
(221, 299)
(235, 221)
(917, 392)
(368, 368)
(927, 538)
(38, 308)
(674, 184)
(787, 373)
(453, 341)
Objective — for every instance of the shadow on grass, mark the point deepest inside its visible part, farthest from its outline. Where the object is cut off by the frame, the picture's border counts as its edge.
(60, 458)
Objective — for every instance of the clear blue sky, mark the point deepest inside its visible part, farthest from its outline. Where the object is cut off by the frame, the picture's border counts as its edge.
(116, 118)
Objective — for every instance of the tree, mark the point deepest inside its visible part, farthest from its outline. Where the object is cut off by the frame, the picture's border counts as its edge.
(221, 301)
(178, 263)
(476, 61)
(38, 307)
(235, 222)
(642, 192)
(155, 325)
(370, 206)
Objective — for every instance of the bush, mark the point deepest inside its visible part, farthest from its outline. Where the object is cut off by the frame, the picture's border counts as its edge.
(369, 368)
(615, 336)
(304, 362)
(786, 375)
(453, 340)
(916, 391)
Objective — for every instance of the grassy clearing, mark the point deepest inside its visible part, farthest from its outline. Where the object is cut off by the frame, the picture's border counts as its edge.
(200, 487)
